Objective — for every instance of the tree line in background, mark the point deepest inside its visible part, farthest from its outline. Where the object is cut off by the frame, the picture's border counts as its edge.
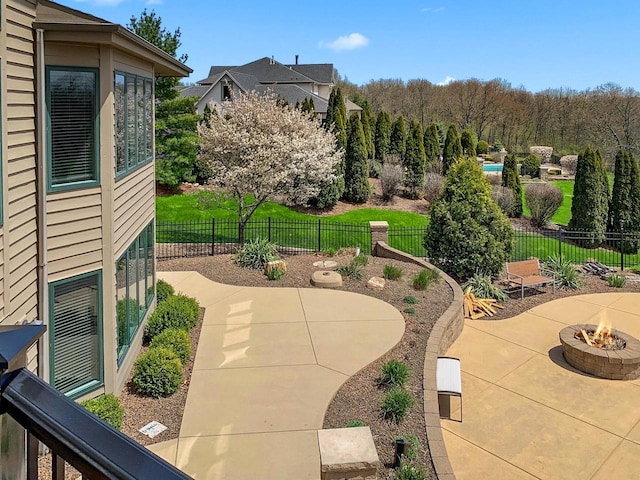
(607, 117)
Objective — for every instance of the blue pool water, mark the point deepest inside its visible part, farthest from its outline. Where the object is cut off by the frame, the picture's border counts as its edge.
(492, 167)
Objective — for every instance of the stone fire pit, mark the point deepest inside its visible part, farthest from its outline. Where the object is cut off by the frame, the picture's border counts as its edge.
(622, 363)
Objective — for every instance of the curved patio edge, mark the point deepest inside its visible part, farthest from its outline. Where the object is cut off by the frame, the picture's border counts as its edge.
(445, 331)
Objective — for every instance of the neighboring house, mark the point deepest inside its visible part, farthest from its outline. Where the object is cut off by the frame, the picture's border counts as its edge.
(78, 191)
(293, 83)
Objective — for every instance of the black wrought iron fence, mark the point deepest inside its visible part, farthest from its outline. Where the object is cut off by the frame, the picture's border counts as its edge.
(194, 239)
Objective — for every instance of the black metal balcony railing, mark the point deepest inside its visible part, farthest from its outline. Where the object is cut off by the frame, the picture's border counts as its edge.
(73, 435)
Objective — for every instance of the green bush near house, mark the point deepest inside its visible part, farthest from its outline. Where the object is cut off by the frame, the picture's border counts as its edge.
(108, 408)
(163, 291)
(176, 340)
(177, 311)
(157, 373)
(391, 272)
(256, 254)
(394, 373)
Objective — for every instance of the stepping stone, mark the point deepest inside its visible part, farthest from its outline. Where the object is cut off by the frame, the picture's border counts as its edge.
(347, 453)
(326, 279)
(325, 264)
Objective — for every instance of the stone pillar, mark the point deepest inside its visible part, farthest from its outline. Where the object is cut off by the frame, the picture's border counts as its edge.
(379, 233)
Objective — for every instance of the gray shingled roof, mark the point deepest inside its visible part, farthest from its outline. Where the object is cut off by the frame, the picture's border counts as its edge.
(320, 72)
(270, 71)
(194, 91)
(293, 94)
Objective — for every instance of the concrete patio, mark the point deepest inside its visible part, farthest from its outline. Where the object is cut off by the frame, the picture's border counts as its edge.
(528, 414)
(268, 363)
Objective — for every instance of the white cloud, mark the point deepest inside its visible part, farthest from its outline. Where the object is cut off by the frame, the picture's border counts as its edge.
(347, 42)
(447, 80)
(432, 9)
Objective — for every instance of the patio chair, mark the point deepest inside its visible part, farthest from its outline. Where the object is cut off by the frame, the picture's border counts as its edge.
(529, 274)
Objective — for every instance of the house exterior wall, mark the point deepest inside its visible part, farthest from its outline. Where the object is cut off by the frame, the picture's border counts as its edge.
(18, 239)
(324, 91)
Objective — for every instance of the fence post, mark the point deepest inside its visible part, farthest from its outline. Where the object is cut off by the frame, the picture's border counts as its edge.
(560, 239)
(379, 233)
(319, 238)
(621, 245)
(269, 229)
(213, 237)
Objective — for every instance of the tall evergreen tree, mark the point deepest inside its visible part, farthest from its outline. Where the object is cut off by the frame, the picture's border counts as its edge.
(624, 211)
(414, 161)
(511, 179)
(467, 233)
(469, 141)
(398, 140)
(383, 135)
(356, 173)
(589, 209)
(369, 132)
(431, 144)
(149, 27)
(452, 149)
(330, 118)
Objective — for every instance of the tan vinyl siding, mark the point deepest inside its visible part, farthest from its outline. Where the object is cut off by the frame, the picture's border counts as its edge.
(74, 232)
(20, 239)
(134, 200)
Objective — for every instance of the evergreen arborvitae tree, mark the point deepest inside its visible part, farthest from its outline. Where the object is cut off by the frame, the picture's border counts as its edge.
(624, 211)
(511, 179)
(431, 144)
(369, 132)
(398, 140)
(414, 161)
(467, 233)
(452, 149)
(468, 141)
(382, 136)
(356, 170)
(589, 209)
(330, 119)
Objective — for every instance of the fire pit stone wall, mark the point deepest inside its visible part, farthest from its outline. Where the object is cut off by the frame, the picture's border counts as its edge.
(623, 364)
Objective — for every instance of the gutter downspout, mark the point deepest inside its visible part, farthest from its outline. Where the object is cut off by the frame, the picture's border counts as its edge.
(41, 203)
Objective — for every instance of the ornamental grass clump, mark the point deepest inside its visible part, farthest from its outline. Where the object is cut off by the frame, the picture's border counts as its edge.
(256, 254)
(425, 278)
(396, 404)
(108, 408)
(394, 374)
(482, 287)
(391, 272)
(352, 270)
(617, 281)
(567, 274)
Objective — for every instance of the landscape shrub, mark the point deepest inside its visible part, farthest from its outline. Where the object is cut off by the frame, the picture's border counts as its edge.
(177, 311)
(394, 373)
(391, 272)
(157, 373)
(108, 408)
(624, 208)
(275, 273)
(469, 142)
(256, 254)
(396, 404)
(410, 310)
(530, 166)
(163, 291)
(567, 274)
(355, 423)
(482, 287)
(482, 148)
(412, 446)
(433, 184)
(356, 170)
(617, 281)
(391, 176)
(360, 259)
(410, 470)
(176, 340)
(351, 270)
(410, 299)
(504, 198)
(511, 180)
(425, 278)
(467, 232)
(543, 201)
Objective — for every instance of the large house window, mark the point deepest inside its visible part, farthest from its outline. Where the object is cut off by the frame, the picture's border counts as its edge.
(135, 284)
(133, 107)
(73, 133)
(76, 334)
(226, 92)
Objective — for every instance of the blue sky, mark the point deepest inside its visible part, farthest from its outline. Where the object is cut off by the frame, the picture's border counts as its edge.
(538, 45)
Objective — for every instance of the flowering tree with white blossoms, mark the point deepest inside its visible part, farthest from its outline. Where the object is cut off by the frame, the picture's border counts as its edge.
(262, 150)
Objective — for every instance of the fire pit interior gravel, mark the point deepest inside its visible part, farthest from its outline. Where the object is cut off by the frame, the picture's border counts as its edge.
(605, 353)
